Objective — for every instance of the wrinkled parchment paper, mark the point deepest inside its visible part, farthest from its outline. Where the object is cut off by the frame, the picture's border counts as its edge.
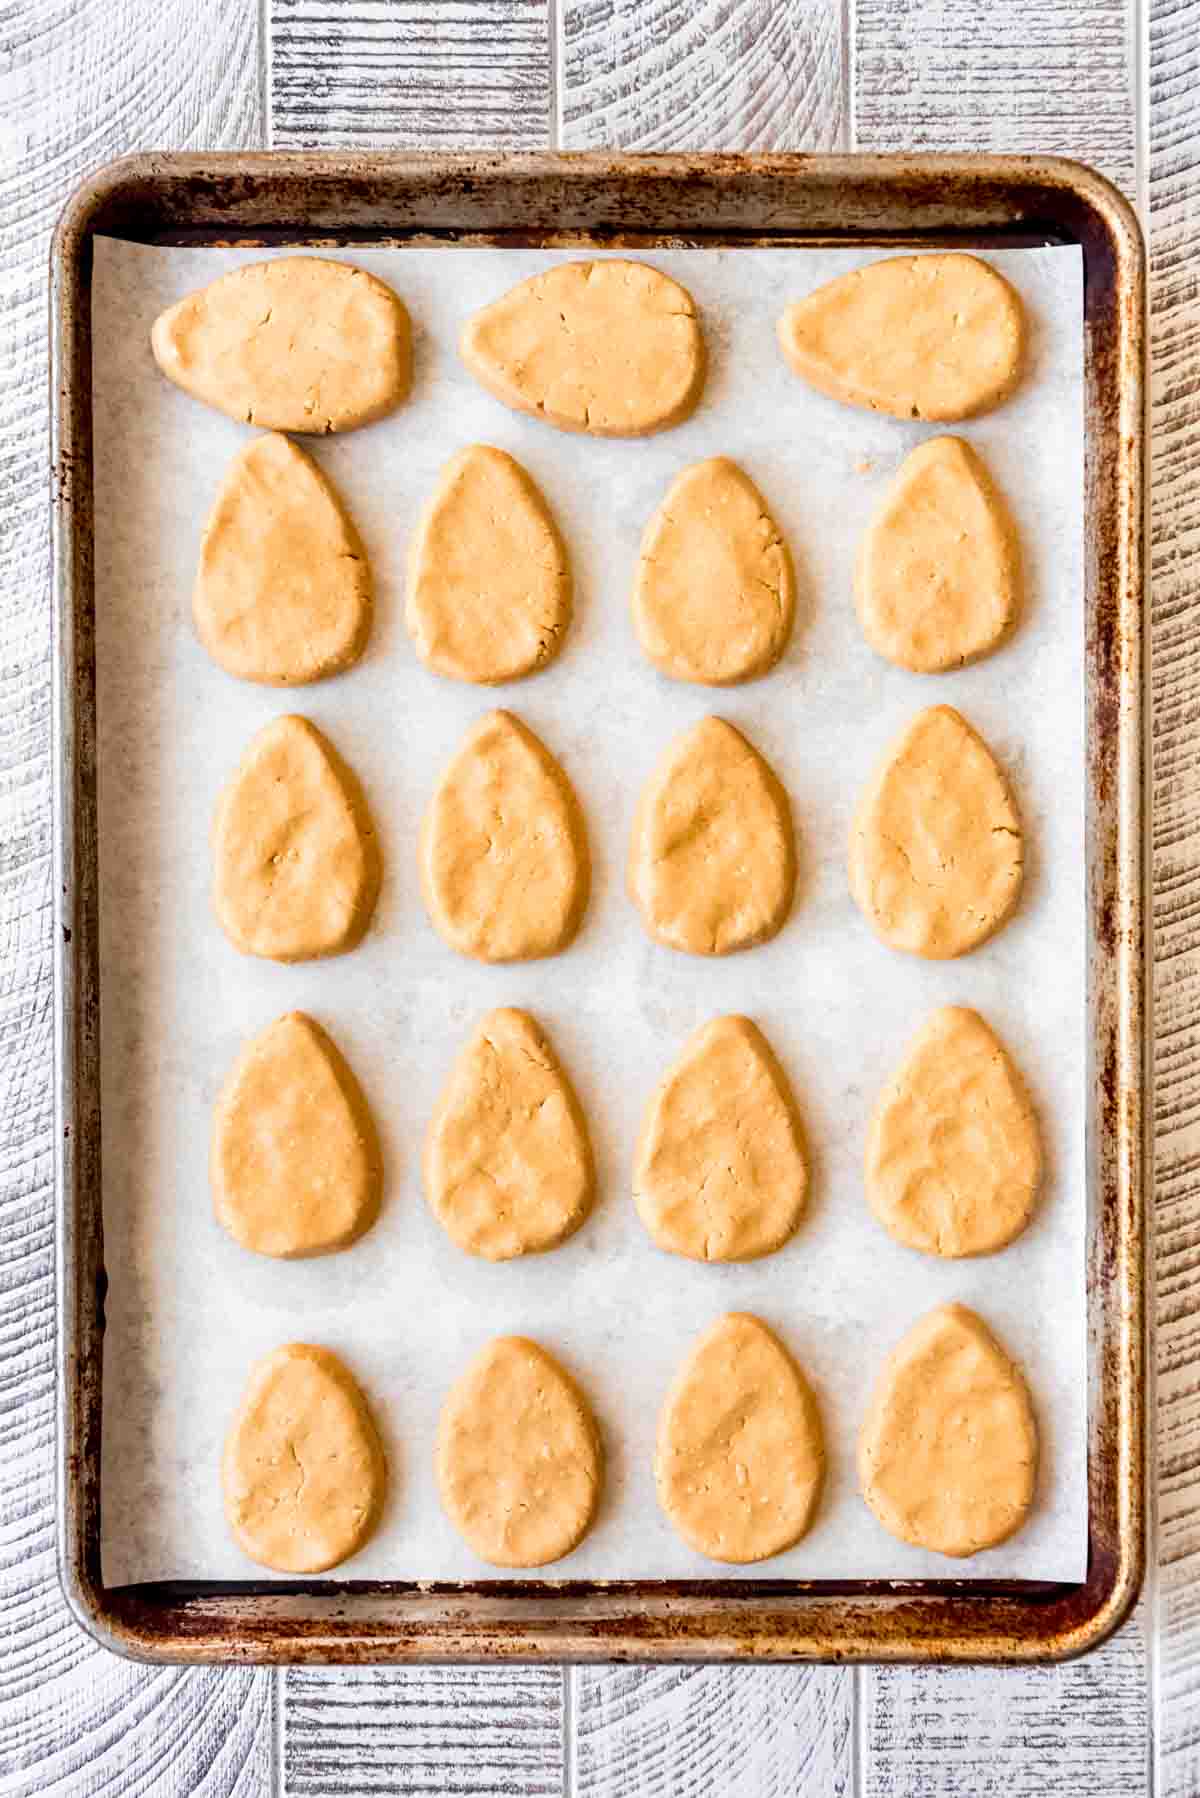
(188, 1310)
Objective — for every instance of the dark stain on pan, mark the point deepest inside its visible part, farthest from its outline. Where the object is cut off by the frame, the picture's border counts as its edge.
(581, 200)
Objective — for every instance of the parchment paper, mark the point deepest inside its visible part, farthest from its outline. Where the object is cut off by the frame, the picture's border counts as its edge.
(189, 1311)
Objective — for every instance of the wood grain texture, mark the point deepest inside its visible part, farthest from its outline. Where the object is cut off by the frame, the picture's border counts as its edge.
(1174, 192)
(716, 75)
(82, 81)
(1043, 1732)
(410, 74)
(479, 1732)
(998, 75)
(743, 1732)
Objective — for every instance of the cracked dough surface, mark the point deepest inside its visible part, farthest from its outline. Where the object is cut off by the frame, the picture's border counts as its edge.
(719, 1173)
(303, 1472)
(295, 1164)
(954, 1158)
(295, 858)
(714, 595)
(938, 337)
(712, 862)
(612, 348)
(283, 590)
(299, 344)
(740, 1457)
(948, 1453)
(508, 1164)
(489, 588)
(937, 578)
(936, 851)
(504, 857)
(518, 1459)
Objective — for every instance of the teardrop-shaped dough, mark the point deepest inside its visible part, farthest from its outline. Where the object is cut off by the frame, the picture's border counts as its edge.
(489, 589)
(283, 592)
(304, 1472)
(504, 857)
(954, 1158)
(714, 594)
(296, 863)
(740, 1457)
(712, 863)
(936, 853)
(947, 1458)
(937, 579)
(720, 1173)
(612, 348)
(937, 336)
(299, 344)
(508, 1165)
(519, 1462)
(295, 1163)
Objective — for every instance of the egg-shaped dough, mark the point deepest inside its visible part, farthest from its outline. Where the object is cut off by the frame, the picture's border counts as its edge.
(304, 1472)
(295, 1164)
(938, 336)
(954, 1155)
(720, 1172)
(715, 594)
(937, 581)
(504, 856)
(612, 348)
(948, 1452)
(489, 586)
(283, 591)
(518, 1460)
(740, 1459)
(936, 848)
(298, 344)
(508, 1164)
(295, 858)
(712, 862)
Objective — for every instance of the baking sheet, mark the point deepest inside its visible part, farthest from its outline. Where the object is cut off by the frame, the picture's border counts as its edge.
(188, 1311)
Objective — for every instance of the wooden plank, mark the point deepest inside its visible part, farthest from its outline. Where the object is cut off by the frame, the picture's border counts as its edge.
(1019, 75)
(80, 85)
(947, 1732)
(1174, 192)
(998, 75)
(718, 75)
(728, 74)
(478, 1732)
(410, 74)
(743, 1732)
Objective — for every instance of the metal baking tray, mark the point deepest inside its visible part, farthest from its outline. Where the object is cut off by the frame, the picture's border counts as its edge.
(583, 200)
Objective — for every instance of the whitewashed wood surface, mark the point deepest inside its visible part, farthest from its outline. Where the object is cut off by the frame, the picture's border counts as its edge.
(84, 80)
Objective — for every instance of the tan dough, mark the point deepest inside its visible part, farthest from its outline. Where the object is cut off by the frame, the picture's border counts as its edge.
(295, 860)
(508, 1165)
(712, 863)
(283, 592)
(937, 579)
(740, 1458)
(720, 1173)
(489, 589)
(954, 1158)
(936, 853)
(504, 858)
(948, 1453)
(938, 337)
(611, 348)
(714, 594)
(295, 1163)
(303, 1473)
(519, 1462)
(300, 344)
